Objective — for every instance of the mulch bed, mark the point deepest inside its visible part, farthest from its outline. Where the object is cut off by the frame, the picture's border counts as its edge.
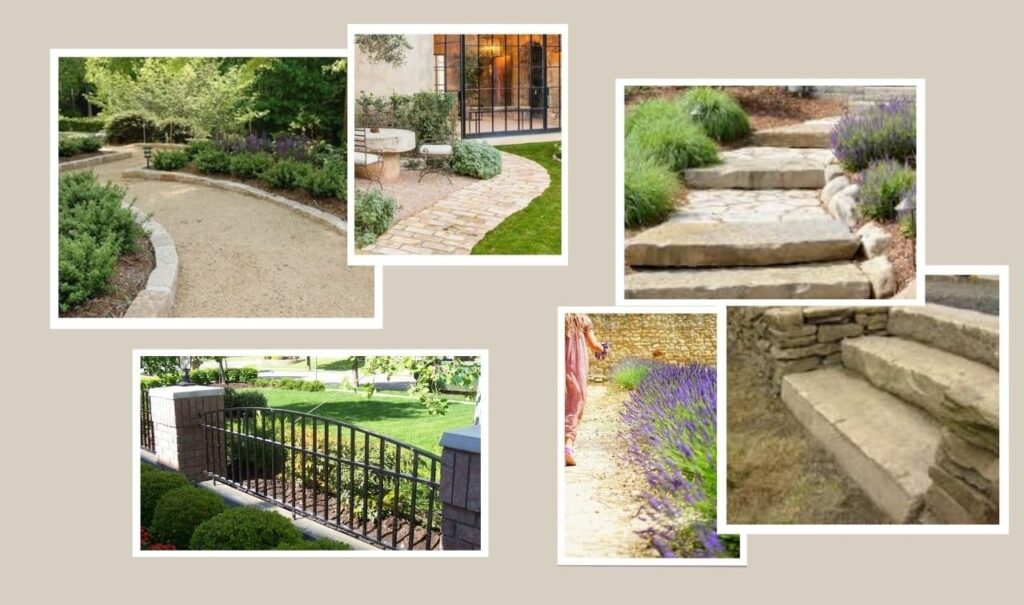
(129, 278)
(329, 205)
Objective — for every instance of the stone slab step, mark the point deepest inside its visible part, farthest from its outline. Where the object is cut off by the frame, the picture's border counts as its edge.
(690, 244)
(967, 333)
(961, 393)
(763, 168)
(836, 280)
(885, 445)
(810, 134)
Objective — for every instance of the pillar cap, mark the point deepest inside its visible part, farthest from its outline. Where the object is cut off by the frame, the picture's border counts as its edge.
(185, 392)
(466, 439)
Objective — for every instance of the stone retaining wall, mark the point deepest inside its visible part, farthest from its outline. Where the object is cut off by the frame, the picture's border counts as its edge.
(965, 481)
(669, 337)
(157, 299)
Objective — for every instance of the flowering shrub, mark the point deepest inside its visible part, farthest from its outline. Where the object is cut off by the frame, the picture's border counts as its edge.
(671, 429)
(887, 131)
(882, 186)
(146, 541)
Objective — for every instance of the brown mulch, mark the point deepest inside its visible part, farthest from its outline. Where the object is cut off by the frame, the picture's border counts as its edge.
(902, 254)
(329, 205)
(129, 278)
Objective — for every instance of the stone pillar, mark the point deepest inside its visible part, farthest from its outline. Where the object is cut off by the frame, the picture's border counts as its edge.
(177, 434)
(460, 489)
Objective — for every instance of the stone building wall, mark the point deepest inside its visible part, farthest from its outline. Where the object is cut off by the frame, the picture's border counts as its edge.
(669, 337)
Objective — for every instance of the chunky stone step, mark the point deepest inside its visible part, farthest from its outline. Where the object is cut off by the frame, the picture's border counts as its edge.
(763, 168)
(885, 445)
(966, 333)
(818, 280)
(809, 134)
(690, 244)
(961, 393)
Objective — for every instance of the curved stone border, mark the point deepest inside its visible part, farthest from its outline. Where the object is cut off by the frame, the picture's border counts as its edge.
(116, 156)
(183, 177)
(158, 297)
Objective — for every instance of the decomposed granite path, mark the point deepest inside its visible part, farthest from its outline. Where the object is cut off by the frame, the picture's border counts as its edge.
(603, 492)
(454, 224)
(240, 256)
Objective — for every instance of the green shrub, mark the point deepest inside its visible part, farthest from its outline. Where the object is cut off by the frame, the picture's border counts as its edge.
(149, 382)
(147, 468)
(169, 159)
(212, 161)
(90, 144)
(180, 511)
(247, 165)
(326, 182)
(244, 399)
(320, 544)
(428, 114)
(651, 188)
(131, 127)
(908, 227)
(248, 374)
(198, 146)
(84, 267)
(717, 113)
(290, 384)
(69, 146)
(628, 375)
(478, 160)
(152, 487)
(882, 186)
(204, 375)
(374, 213)
(287, 173)
(171, 130)
(654, 110)
(93, 124)
(677, 143)
(244, 529)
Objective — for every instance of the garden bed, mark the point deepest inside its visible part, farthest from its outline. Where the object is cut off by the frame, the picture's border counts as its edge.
(333, 206)
(129, 278)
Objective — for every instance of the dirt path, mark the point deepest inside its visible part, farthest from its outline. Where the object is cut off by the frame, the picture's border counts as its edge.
(602, 493)
(240, 256)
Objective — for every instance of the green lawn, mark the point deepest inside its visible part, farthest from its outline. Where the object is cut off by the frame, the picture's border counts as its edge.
(536, 229)
(394, 415)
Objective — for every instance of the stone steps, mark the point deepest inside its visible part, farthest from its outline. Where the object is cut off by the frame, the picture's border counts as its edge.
(692, 244)
(763, 168)
(884, 444)
(834, 280)
(955, 390)
(967, 333)
(814, 134)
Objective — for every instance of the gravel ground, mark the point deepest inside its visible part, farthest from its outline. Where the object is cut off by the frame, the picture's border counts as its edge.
(413, 195)
(965, 292)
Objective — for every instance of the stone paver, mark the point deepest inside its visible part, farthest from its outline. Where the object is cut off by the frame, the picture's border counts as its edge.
(454, 224)
(809, 134)
(763, 168)
(750, 206)
(813, 280)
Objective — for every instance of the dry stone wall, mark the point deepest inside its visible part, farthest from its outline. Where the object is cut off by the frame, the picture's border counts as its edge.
(668, 337)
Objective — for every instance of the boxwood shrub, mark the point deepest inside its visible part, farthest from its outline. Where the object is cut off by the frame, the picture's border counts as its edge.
(320, 544)
(68, 146)
(717, 113)
(212, 161)
(131, 127)
(165, 159)
(244, 529)
(475, 159)
(882, 186)
(374, 213)
(887, 131)
(328, 181)
(153, 485)
(249, 165)
(247, 398)
(180, 511)
(80, 124)
(287, 173)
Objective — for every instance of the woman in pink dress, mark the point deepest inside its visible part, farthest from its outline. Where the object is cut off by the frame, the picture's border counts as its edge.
(579, 342)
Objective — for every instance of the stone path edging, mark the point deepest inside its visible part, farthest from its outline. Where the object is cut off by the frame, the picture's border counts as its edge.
(157, 299)
(116, 156)
(183, 177)
(455, 223)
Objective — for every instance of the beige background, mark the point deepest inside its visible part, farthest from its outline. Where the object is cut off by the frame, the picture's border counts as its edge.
(67, 400)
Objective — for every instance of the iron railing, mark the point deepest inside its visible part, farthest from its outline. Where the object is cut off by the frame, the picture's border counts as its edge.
(364, 484)
(147, 440)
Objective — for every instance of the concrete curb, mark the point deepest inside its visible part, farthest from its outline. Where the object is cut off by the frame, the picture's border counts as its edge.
(116, 156)
(158, 297)
(182, 177)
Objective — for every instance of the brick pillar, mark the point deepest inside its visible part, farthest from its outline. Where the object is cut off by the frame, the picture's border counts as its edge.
(460, 489)
(176, 431)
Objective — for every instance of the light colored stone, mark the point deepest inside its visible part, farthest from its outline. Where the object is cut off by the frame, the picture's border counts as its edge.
(975, 465)
(844, 208)
(819, 349)
(976, 504)
(833, 187)
(852, 190)
(883, 444)
(879, 272)
(840, 280)
(944, 509)
(970, 334)
(837, 332)
(799, 331)
(683, 244)
(784, 317)
(763, 168)
(874, 240)
(826, 314)
(750, 206)
(810, 134)
(151, 303)
(834, 171)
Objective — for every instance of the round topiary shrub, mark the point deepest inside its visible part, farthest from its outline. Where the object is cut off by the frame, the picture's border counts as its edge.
(375, 211)
(244, 399)
(718, 114)
(131, 127)
(152, 486)
(651, 188)
(320, 544)
(212, 161)
(478, 160)
(882, 186)
(287, 173)
(170, 159)
(677, 143)
(244, 529)
(180, 511)
(250, 165)
(887, 131)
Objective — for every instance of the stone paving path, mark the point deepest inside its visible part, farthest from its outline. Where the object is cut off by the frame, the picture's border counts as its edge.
(750, 206)
(240, 256)
(454, 224)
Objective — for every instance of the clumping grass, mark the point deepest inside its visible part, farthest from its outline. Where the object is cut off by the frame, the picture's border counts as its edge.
(882, 186)
(394, 415)
(628, 375)
(651, 188)
(679, 143)
(536, 229)
(717, 112)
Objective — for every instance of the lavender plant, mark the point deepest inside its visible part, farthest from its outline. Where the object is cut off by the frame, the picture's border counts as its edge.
(671, 429)
(887, 131)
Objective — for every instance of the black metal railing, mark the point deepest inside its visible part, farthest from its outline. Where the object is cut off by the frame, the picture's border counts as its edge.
(364, 484)
(147, 440)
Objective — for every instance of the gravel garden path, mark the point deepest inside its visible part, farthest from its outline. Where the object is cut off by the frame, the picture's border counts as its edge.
(240, 256)
(459, 220)
(603, 492)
